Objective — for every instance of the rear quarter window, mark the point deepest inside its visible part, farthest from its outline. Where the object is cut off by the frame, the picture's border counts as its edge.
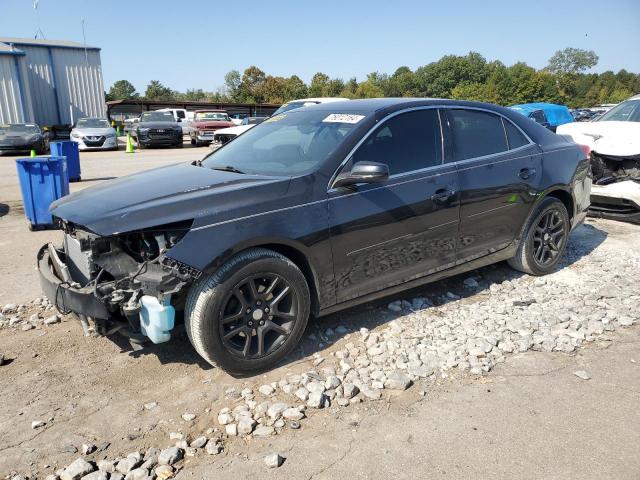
(514, 136)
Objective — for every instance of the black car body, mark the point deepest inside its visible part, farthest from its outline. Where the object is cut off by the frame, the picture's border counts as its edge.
(369, 198)
(23, 137)
(158, 129)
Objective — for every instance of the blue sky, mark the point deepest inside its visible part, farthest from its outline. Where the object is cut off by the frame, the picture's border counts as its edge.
(193, 43)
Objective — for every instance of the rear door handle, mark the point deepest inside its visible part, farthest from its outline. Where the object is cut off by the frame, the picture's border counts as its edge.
(526, 173)
(442, 195)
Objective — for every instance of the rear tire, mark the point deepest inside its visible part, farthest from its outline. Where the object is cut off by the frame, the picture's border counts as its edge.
(250, 313)
(544, 239)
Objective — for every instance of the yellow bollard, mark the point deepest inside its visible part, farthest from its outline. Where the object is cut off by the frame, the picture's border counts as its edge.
(129, 144)
(33, 154)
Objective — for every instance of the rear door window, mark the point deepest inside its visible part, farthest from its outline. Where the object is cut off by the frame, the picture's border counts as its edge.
(407, 142)
(475, 134)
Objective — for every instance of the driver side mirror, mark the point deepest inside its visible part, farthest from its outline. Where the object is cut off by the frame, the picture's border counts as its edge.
(363, 172)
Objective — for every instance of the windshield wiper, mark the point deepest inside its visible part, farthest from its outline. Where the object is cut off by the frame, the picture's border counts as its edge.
(228, 168)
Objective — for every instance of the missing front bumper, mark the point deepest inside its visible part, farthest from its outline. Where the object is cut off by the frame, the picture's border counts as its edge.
(65, 296)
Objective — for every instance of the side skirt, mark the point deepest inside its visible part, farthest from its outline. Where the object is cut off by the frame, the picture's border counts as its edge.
(496, 257)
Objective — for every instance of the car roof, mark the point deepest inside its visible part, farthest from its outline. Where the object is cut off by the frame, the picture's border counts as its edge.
(318, 100)
(371, 105)
(217, 110)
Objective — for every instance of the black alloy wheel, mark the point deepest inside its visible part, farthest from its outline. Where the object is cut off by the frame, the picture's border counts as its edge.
(250, 313)
(258, 315)
(544, 238)
(549, 237)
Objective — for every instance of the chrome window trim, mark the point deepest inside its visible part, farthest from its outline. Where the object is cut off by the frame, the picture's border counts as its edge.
(503, 117)
(330, 185)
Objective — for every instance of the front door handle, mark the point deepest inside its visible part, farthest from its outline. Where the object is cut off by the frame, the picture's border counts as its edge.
(527, 173)
(442, 195)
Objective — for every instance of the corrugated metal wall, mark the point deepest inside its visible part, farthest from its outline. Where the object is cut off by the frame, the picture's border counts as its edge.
(14, 107)
(64, 84)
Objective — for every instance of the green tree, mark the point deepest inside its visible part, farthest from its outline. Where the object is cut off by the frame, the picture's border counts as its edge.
(194, 95)
(251, 84)
(572, 61)
(319, 85)
(122, 90)
(156, 91)
(294, 88)
(232, 82)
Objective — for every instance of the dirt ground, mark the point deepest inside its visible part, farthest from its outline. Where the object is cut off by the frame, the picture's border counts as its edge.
(530, 413)
(530, 418)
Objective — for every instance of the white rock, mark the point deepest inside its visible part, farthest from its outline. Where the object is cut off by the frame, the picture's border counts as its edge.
(583, 374)
(37, 424)
(78, 469)
(273, 460)
(263, 431)
(170, 455)
(293, 414)
(266, 390)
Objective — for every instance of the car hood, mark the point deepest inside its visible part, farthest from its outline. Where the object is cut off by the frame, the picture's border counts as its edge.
(235, 130)
(18, 138)
(94, 131)
(608, 138)
(166, 125)
(156, 197)
(212, 124)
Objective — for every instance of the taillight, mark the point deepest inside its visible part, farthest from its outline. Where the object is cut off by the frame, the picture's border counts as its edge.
(586, 150)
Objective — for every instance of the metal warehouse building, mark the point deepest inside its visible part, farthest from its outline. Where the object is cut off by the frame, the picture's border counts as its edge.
(49, 82)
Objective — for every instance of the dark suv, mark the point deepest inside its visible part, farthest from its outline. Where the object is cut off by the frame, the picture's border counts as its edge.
(310, 212)
(158, 129)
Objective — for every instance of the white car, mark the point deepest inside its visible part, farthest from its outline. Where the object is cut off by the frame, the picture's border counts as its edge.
(94, 134)
(306, 102)
(224, 135)
(614, 140)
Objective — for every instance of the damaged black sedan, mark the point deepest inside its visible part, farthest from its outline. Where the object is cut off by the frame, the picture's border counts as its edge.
(313, 211)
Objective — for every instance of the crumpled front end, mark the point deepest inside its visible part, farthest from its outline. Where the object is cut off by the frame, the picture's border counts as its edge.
(616, 190)
(122, 283)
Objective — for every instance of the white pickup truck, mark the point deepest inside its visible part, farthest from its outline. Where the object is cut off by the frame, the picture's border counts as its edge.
(183, 116)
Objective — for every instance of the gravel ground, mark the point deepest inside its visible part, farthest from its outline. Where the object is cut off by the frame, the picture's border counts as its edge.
(76, 401)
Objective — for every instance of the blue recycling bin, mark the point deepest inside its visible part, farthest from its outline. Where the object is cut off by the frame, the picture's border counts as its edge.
(42, 181)
(68, 149)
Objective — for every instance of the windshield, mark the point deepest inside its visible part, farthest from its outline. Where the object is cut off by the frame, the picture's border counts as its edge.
(205, 116)
(92, 123)
(157, 117)
(292, 106)
(628, 111)
(287, 144)
(19, 129)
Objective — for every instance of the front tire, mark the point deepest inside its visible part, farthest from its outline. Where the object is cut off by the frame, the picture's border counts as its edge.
(544, 239)
(250, 313)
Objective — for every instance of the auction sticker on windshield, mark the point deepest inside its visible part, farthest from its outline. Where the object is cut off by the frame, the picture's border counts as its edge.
(343, 118)
(277, 118)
